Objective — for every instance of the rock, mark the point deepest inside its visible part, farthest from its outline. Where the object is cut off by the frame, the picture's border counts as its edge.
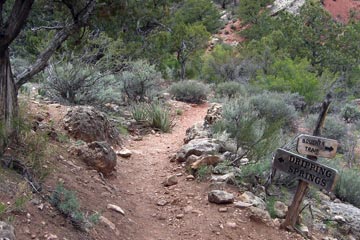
(125, 153)
(116, 209)
(227, 178)
(214, 113)
(260, 215)
(220, 197)
(188, 209)
(231, 224)
(98, 155)
(206, 161)
(40, 206)
(280, 209)
(339, 219)
(88, 124)
(242, 205)
(180, 216)
(223, 209)
(199, 147)
(191, 159)
(7, 231)
(171, 180)
(217, 186)
(51, 236)
(107, 222)
(162, 203)
(304, 229)
(190, 177)
(249, 197)
(196, 131)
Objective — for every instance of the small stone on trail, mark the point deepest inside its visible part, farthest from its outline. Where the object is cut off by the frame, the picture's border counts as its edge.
(125, 153)
(107, 222)
(180, 216)
(161, 203)
(220, 197)
(240, 204)
(188, 209)
(231, 224)
(171, 180)
(224, 209)
(116, 208)
(190, 177)
(41, 206)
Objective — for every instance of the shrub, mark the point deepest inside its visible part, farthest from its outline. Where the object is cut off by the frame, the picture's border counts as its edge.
(350, 113)
(273, 107)
(155, 115)
(254, 132)
(140, 80)
(68, 204)
(229, 89)
(189, 91)
(348, 186)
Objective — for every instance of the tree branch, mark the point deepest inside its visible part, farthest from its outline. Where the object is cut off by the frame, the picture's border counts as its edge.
(19, 13)
(35, 29)
(61, 36)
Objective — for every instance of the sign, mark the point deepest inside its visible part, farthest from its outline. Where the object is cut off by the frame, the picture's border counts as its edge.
(317, 146)
(305, 169)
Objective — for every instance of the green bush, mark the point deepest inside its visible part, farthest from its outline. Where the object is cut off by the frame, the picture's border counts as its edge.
(68, 204)
(348, 186)
(350, 113)
(189, 91)
(140, 80)
(254, 131)
(273, 107)
(156, 115)
(229, 89)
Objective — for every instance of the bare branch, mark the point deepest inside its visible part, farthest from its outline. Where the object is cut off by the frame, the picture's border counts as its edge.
(61, 36)
(35, 29)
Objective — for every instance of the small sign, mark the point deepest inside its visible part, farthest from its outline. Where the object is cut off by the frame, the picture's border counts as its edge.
(317, 146)
(305, 169)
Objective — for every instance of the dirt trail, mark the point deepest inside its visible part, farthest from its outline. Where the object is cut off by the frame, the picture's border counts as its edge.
(187, 214)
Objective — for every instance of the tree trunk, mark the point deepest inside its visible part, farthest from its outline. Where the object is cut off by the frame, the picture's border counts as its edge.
(182, 69)
(8, 101)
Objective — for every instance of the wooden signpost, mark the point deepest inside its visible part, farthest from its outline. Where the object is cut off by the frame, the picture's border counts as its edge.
(305, 168)
(317, 146)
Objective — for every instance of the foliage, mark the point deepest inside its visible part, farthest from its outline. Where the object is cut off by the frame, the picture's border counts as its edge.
(350, 113)
(254, 172)
(156, 115)
(347, 188)
(200, 12)
(292, 76)
(68, 204)
(189, 91)
(203, 173)
(252, 125)
(229, 89)
(249, 11)
(139, 80)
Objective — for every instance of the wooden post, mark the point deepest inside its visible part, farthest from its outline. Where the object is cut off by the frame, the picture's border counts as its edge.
(302, 188)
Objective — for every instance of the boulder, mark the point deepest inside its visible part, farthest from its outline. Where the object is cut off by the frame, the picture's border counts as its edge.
(7, 231)
(98, 155)
(196, 131)
(227, 178)
(280, 209)
(220, 197)
(125, 153)
(260, 215)
(199, 147)
(88, 124)
(249, 197)
(214, 113)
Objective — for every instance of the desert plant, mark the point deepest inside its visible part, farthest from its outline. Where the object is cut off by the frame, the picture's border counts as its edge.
(229, 89)
(203, 172)
(350, 113)
(139, 80)
(155, 114)
(189, 91)
(68, 204)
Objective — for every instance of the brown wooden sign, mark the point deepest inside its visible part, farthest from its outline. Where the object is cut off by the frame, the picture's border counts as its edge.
(317, 146)
(305, 169)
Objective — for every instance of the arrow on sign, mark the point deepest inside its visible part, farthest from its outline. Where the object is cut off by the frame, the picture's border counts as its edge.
(330, 149)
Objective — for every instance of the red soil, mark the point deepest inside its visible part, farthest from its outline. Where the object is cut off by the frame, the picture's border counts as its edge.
(340, 9)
